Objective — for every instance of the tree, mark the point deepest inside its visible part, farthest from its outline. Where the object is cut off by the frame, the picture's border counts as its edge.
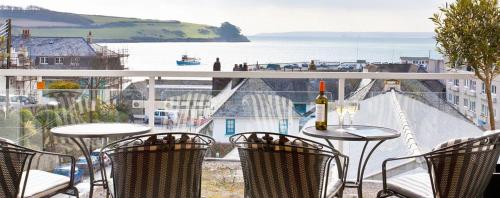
(3, 54)
(46, 120)
(230, 32)
(468, 33)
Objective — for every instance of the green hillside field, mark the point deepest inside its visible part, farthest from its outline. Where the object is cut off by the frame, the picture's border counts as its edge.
(43, 22)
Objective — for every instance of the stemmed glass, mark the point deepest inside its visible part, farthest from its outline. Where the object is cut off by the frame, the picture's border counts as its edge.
(341, 110)
(352, 108)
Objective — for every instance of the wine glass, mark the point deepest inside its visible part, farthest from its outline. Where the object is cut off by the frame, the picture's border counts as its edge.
(352, 108)
(339, 108)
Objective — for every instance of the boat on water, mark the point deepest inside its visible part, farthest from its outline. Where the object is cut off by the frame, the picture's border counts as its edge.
(186, 60)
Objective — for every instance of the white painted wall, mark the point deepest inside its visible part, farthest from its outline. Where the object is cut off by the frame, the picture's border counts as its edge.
(465, 91)
(2, 83)
(252, 124)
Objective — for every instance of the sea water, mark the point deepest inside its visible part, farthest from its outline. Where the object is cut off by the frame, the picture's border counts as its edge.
(345, 47)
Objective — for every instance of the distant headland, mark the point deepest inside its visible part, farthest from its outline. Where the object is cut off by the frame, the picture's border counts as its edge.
(45, 22)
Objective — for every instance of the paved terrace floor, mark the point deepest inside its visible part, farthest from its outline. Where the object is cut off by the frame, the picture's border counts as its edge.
(224, 180)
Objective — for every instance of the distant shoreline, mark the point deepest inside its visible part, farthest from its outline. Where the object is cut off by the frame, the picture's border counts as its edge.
(176, 40)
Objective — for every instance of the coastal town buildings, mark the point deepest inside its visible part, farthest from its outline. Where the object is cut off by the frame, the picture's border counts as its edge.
(63, 53)
(428, 64)
(469, 97)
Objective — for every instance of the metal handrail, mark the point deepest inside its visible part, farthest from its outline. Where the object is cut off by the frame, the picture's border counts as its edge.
(236, 74)
(341, 76)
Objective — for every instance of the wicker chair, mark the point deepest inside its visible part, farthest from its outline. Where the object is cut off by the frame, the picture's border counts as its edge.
(276, 166)
(456, 168)
(18, 178)
(157, 165)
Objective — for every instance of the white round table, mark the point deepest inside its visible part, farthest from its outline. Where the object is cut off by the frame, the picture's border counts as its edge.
(97, 130)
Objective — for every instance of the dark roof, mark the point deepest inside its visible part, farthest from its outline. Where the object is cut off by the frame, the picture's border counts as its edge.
(254, 98)
(54, 46)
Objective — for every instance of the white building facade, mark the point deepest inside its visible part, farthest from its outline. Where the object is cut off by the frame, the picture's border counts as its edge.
(469, 97)
(224, 127)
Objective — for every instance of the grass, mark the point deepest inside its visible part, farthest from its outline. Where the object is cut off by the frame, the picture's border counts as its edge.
(136, 30)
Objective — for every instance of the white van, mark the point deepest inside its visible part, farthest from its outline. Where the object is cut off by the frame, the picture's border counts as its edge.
(161, 116)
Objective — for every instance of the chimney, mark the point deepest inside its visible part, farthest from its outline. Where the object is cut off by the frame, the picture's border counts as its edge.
(89, 37)
(26, 34)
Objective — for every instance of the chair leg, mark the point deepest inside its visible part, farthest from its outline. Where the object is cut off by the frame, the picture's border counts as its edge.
(382, 193)
(73, 191)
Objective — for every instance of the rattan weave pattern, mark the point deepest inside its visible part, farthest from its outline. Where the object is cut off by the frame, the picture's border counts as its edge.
(11, 169)
(464, 171)
(283, 166)
(167, 167)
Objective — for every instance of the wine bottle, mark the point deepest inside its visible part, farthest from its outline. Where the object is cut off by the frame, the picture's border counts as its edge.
(321, 108)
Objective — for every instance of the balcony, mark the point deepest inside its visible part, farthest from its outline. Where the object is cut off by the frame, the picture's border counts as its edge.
(280, 102)
(471, 92)
(484, 98)
(455, 88)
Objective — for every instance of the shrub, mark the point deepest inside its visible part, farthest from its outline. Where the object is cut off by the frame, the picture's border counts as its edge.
(26, 115)
(62, 84)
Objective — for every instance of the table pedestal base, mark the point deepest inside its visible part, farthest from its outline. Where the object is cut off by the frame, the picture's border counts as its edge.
(361, 167)
(86, 153)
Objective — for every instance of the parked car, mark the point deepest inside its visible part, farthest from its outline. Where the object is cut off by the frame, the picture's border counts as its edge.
(161, 116)
(20, 99)
(97, 152)
(81, 163)
(65, 170)
(13, 104)
(292, 66)
(273, 66)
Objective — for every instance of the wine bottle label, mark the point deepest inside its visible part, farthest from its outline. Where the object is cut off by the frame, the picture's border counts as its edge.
(320, 113)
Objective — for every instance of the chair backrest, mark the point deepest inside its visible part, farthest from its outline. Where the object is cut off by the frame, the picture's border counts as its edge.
(277, 165)
(463, 167)
(13, 159)
(158, 165)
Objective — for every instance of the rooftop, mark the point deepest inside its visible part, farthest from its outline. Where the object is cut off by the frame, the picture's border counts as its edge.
(54, 46)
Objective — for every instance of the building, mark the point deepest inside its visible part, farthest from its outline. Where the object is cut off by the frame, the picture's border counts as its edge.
(72, 53)
(255, 106)
(469, 97)
(426, 63)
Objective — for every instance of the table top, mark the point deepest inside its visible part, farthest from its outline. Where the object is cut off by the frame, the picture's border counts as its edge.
(99, 130)
(373, 133)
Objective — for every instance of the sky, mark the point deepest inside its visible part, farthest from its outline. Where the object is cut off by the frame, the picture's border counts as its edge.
(266, 16)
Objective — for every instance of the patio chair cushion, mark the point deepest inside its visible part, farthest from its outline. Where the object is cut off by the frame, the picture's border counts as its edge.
(281, 144)
(415, 185)
(451, 142)
(333, 187)
(6, 140)
(42, 184)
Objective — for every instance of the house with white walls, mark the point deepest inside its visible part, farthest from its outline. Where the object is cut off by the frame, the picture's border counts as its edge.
(255, 106)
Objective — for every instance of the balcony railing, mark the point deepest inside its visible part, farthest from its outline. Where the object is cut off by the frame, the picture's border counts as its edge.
(422, 115)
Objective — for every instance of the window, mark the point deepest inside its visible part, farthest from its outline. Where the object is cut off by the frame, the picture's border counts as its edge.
(283, 128)
(483, 88)
(450, 97)
(456, 82)
(493, 89)
(75, 61)
(484, 110)
(472, 106)
(472, 85)
(466, 83)
(456, 100)
(466, 102)
(59, 60)
(230, 127)
(44, 60)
